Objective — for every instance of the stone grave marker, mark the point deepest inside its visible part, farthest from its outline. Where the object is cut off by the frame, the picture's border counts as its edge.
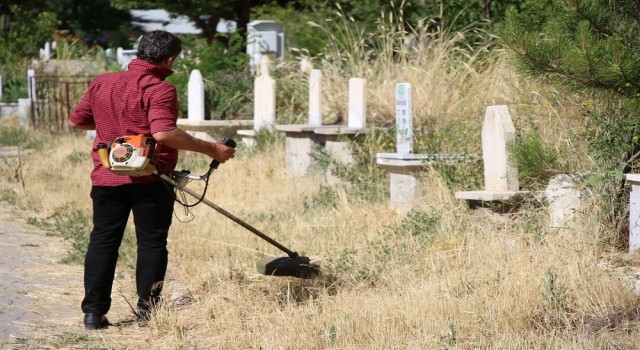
(264, 97)
(500, 176)
(405, 187)
(357, 103)
(195, 110)
(315, 97)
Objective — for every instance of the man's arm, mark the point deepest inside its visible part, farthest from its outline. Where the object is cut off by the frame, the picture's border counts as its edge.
(81, 117)
(179, 139)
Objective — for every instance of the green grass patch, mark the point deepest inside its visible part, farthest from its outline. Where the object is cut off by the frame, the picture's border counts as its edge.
(75, 225)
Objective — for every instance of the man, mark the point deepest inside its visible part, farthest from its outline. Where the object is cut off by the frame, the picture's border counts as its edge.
(136, 101)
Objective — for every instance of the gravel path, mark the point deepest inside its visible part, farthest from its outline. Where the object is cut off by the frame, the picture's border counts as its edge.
(37, 294)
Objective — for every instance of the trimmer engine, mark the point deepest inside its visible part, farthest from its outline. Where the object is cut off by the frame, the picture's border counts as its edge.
(134, 155)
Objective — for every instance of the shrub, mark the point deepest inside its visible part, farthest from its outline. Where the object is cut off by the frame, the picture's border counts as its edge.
(536, 161)
(225, 71)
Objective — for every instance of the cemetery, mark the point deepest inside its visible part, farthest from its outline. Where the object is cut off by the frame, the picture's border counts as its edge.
(447, 200)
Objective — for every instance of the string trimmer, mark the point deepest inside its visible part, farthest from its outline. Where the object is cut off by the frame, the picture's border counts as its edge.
(137, 155)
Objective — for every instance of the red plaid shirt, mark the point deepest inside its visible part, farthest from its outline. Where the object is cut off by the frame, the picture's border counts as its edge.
(136, 101)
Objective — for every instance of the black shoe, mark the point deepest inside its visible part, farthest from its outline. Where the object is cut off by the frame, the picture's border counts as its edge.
(143, 317)
(95, 321)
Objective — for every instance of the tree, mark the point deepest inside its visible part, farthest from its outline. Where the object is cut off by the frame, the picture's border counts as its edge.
(24, 30)
(586, 44)
(592, 46)
(87, 19)
(205, 14)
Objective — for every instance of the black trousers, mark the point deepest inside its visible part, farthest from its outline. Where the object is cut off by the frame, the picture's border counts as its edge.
(152, 207)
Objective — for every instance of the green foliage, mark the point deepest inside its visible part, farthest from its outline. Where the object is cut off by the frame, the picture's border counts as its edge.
(591, 46)
(292, 94)
(536, 161)
(612, 133)
(204, 13)
(325, 198)
(71, 224)
(463, 174)
(453, 15)
(12, 134)
(299, 36)
(75, 225)
(364, 180)
(27, 30)
(265, 141)
(24, 33)
(229, 94)
(228, 82)
(552, 291)
(584, 45)
(78, 157)
(420, 225)
(14, 79)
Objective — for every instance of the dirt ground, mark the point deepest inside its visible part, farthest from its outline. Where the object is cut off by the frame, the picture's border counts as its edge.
(33, 282)
(40, 297)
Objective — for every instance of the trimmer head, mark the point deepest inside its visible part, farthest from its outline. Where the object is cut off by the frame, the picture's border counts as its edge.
(298, 266)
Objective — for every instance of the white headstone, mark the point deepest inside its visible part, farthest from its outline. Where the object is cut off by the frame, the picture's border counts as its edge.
(404, 119)
(634, 212)
(195, 108)
(264, 95)
(31, 81)
(305, 65)
(564, 198)
(24, 112)
(264, 66)
(497, 131)
(315, 97)
(47, 51)
(120, 55)
(357, 103)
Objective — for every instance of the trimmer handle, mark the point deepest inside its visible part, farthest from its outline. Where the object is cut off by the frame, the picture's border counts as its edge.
(227, 141)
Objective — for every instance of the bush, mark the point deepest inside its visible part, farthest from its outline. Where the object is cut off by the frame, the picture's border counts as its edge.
(536, 161)
(225, 71)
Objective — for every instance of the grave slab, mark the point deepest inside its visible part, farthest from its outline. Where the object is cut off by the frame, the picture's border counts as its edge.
(634, 212)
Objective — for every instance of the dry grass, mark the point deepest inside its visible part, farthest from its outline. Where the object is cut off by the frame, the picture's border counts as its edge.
(441, 277)
(445, 277)
(452, 84)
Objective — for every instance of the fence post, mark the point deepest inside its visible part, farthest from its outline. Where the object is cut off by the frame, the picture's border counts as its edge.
(33, 96)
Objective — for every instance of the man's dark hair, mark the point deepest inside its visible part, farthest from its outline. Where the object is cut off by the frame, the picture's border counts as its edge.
(158, 45)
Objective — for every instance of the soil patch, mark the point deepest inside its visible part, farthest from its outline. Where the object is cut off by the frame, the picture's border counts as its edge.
(38, 295)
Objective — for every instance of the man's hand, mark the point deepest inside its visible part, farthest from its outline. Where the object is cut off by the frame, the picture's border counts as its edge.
(220, 152)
